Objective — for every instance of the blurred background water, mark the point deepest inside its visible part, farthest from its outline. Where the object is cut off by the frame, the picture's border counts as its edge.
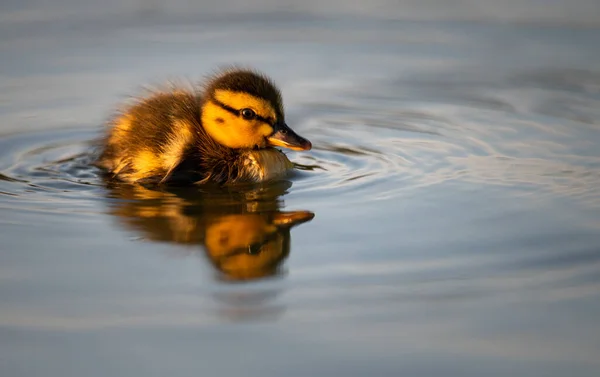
(445, 223)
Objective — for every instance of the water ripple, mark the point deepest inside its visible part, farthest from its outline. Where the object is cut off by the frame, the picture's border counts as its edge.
(461, 132)
(46, 166)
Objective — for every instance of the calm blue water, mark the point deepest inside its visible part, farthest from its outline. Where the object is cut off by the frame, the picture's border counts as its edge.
(453, 182)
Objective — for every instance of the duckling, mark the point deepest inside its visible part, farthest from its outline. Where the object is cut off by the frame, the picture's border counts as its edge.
(226, 133)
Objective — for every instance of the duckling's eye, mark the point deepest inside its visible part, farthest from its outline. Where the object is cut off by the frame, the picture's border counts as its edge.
(248, 114)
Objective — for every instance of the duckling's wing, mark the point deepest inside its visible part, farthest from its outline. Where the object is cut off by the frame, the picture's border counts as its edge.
(148, 141)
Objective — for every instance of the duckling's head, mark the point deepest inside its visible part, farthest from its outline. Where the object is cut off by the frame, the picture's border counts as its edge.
(244, 109)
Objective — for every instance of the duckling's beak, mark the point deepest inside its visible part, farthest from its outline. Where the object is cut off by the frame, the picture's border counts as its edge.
(284, 136)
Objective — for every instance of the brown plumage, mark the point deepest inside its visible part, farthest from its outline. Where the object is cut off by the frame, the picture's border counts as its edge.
(224, 133)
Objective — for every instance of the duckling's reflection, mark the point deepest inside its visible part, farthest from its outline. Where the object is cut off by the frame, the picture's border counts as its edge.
(244, 233)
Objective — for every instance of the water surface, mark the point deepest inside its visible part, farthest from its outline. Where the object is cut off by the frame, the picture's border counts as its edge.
(447, 221)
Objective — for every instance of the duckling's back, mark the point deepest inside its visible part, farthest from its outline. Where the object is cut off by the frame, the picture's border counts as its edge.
(148, 142)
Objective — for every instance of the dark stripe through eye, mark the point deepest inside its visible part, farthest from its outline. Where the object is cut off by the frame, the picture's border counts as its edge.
(243, 113)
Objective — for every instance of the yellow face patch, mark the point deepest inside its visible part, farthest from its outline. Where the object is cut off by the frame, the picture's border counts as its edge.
(230, 128)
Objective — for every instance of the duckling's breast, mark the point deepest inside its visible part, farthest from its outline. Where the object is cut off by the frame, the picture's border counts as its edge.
(264, 165)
